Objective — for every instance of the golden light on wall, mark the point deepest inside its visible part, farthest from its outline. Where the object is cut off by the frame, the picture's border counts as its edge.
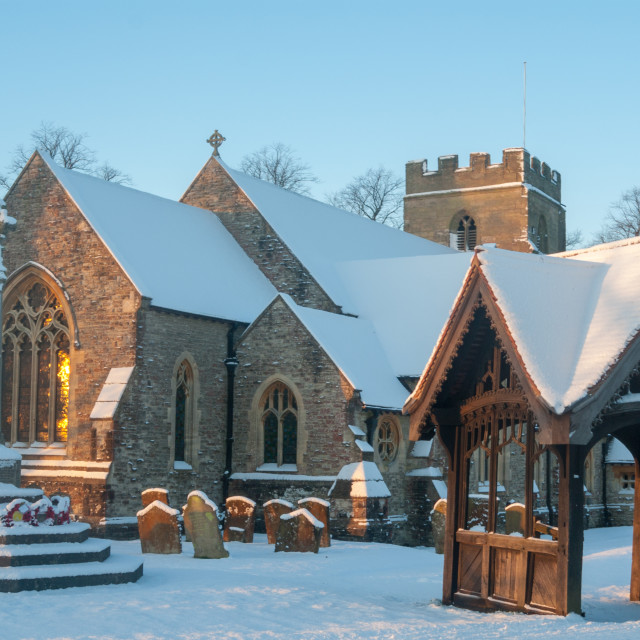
(62, 405)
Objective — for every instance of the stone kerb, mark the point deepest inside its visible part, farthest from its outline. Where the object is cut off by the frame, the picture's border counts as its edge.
(438, 524)
(299, 531)
(150, 495)
(158, 529)
(319, 509)
(514, 518)
(201, 522)
(273, 509)
(10, 465)
(240, 519)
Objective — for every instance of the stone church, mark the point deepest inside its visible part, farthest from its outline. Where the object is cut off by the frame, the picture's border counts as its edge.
(243, 340)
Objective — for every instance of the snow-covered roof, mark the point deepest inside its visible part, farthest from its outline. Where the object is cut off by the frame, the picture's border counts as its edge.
(322, 236)
(354, 347)
(570, 316)
(617, 453)
(180, 256)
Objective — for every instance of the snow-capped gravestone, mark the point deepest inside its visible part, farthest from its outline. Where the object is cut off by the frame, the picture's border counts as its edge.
(360, 502)
(240, 519)
(273, 509)
(299, 531)
(514, 518)
(150, 495)
(477, 511)
(201, 522)
(158, 529)
(438, 524)
(319, 509)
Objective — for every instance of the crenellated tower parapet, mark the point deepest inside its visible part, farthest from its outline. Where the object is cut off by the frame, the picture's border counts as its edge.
(515, 203)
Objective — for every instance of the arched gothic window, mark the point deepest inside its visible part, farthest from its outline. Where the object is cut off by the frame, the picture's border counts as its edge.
(279, 425)
(35, 366)
(183, 434)
(466, 234)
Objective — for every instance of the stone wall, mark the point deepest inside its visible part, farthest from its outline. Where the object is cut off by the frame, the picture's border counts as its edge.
(52, 232)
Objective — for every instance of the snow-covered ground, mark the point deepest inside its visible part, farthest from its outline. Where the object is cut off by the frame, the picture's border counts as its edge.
(350, 591)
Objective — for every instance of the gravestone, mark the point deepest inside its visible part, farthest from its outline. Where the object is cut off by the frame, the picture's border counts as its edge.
(299, 531)
(477, 511)
(273, 509)
(319, 509)
(438, 524)
(201, 522)
(514, 519)
(158, 529)
(240, 521)
(150, 495)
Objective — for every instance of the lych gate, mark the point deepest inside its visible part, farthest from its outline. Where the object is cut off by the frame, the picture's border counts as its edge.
(507, 446)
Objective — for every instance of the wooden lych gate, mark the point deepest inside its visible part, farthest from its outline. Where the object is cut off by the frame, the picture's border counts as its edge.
(505, 445)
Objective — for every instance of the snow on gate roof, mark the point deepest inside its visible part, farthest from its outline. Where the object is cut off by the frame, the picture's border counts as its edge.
(181, 257)
(571, 315)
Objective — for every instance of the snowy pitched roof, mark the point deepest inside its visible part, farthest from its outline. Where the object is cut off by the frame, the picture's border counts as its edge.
(354, 347)
(180, 256)
(617, 453)
(322, 236)
(571, 316)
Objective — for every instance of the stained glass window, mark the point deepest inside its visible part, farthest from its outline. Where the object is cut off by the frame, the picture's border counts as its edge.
(35, 393)
(280, 425)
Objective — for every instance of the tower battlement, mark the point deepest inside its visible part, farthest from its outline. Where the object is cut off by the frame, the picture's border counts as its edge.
(517, 165)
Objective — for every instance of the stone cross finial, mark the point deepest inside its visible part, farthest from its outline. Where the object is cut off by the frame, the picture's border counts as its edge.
(215, 140)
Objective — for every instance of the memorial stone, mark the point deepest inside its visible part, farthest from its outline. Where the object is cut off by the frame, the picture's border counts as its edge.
(438, 520)
(158, 529)
(299, 531)
(241, 515)
(319, 509)
(201, 522)
(273, 509)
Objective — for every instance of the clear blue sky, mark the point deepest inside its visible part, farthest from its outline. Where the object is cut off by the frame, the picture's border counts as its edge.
(349, 85)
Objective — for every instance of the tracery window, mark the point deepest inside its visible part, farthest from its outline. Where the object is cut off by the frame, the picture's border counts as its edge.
(387, 439)
(466, 234)
(35, 367)
(279, 425)
(183, 433)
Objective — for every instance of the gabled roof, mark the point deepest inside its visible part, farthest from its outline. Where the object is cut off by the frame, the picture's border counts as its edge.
(322, 237)
(354, 347)
(570, 316)
(181, 257)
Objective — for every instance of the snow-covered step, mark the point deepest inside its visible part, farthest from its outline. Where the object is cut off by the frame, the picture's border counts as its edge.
(19, 555)
(25, 534)
(9, 492)
(114, 570)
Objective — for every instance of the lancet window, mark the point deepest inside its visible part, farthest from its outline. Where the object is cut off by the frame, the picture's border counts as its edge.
(183, 434)
(466, 234)
(35, 367)
(279, 425)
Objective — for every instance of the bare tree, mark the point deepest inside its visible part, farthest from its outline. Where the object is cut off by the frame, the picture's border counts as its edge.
(278, 164)
(623, 219)
(575, 239)
(67, 149)
(377, 195)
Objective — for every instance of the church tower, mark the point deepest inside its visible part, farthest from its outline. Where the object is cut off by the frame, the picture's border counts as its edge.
(515, 204)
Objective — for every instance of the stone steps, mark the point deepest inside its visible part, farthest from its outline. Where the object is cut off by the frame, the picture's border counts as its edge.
(19, 555)
(114, 570)
(37, 558)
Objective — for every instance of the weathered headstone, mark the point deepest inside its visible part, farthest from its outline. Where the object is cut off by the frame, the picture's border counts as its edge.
(241, 515)
(158, 529)
(477, 511)
(319, 509)
(299, 531)
(273, 509)
(150, 495)
(514, 519)
(438, 520)
(201, 521)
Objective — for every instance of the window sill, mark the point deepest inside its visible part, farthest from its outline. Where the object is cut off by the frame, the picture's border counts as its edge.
(274, 468)
(180, 465)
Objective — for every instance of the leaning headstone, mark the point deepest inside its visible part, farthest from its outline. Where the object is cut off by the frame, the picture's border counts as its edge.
(273, 509)
(150, 495)
(158, 529)
(319, 508)
(438, 520)
(241, 515)
(299, 531)
(514, 519)
(201, 522)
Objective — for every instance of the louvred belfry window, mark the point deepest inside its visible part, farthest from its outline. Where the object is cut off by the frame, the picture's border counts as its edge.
(35, 367)
(466, 234)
